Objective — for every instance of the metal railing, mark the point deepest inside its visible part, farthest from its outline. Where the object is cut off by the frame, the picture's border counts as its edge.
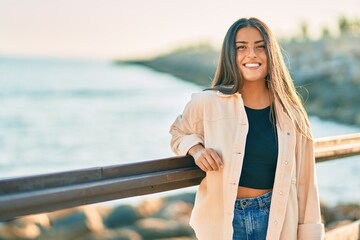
(55, 191)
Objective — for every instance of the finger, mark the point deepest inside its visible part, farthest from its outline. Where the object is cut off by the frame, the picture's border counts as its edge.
(211, 162)
(203, 159)
(199, 162)
(208, 161)
(217, 159)
(201, 166)
(206, 164)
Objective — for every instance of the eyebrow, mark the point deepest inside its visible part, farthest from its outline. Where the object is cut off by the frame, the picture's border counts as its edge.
(258, 41)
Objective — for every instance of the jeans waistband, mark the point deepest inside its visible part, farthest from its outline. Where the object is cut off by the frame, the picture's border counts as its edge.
(261, 200)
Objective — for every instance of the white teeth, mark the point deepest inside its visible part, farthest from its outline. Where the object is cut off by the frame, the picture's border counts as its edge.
(252, 65)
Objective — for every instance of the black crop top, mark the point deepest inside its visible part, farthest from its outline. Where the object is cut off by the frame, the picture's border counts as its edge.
(261, 151)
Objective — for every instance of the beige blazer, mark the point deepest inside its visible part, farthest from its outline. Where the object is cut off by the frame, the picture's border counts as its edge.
(219, 121)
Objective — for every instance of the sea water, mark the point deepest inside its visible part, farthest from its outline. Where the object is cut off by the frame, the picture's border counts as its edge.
(59, 115)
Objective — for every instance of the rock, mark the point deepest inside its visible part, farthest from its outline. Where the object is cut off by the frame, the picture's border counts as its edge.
(56, 215)
(186, 197)
(340, 212)
(114, 234)
(25, 227)
(18, 230)
(41, 220)
(122, 215)
(337, 224)
(74, 224)
(155, 228)
(94, 220)
(176, 210)
(150, 206)
(180, 238)
(103, 210)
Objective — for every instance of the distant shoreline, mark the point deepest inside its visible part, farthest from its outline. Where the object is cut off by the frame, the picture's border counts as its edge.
(325, 73)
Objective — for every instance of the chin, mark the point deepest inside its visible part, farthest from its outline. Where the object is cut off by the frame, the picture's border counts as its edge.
(257, 79)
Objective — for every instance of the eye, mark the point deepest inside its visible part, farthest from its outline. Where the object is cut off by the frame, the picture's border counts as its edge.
(241, 47)
(261, 47)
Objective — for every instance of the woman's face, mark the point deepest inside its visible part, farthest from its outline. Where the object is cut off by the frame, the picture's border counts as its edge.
(251, 56)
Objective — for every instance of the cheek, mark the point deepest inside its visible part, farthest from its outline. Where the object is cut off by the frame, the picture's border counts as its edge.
(266, 67)
(265, 62)
(238, 59)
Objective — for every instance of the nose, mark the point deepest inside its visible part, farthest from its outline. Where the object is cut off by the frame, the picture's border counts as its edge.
(252, 52)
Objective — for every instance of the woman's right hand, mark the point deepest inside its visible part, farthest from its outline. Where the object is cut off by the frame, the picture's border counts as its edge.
(206, 158)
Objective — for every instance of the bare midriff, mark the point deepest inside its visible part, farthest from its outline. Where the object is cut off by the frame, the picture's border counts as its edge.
(244, 192)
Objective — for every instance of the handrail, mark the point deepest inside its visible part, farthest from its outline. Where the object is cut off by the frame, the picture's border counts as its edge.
(349, 232)
(49, 192)
(55, 191)
(334, 147)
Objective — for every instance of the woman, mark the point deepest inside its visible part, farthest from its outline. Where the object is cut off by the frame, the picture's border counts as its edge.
(250, 133)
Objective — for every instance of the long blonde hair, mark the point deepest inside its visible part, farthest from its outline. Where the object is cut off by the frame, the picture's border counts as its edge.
(229, 80)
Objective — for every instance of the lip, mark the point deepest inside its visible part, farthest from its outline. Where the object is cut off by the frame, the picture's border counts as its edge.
(252, 65)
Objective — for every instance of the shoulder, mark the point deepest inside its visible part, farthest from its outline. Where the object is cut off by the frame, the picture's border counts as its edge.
(203, 98)
(211, 96)
(213, 105)
(210, 104)
(213, 99)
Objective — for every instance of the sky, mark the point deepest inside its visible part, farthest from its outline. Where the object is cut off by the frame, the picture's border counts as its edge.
(130, 29)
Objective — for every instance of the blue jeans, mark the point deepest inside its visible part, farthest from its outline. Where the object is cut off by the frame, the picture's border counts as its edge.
(251, 217)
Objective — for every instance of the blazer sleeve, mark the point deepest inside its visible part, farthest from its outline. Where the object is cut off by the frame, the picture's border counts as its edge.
(310, 226)
(187, 130)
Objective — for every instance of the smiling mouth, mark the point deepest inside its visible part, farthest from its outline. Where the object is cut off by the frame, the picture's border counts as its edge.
(252, 65)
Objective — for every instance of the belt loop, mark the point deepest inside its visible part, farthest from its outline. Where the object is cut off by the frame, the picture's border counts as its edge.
(261, 202)
(238, 204)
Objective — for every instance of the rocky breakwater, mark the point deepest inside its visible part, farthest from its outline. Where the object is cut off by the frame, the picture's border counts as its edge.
(153, 218)
(326, 72)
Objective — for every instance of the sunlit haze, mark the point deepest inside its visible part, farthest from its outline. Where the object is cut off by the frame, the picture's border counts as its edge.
(133, 28)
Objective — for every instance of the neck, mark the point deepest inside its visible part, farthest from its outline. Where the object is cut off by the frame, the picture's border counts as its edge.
(255, 94)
